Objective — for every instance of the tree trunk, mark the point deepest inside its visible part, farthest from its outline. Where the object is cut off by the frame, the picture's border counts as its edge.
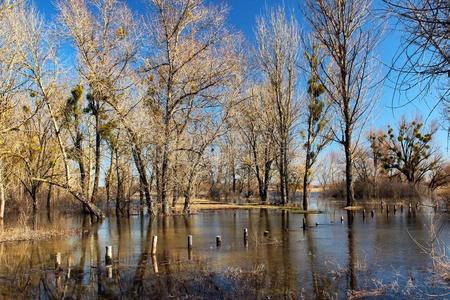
(108, 177)
(49, 197)
(174, 196)
(97, 157)
(164, 180)
(188, 193)
(34, 199)
(349, 171)
(2, 196)
(143, 179)
(283, 174)
(306, 184)
(119, 192)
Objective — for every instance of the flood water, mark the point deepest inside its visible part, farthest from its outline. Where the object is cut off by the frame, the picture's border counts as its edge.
(378, 255)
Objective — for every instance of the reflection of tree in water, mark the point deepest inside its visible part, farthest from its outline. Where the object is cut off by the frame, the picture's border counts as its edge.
(272, 275)
(351, 252)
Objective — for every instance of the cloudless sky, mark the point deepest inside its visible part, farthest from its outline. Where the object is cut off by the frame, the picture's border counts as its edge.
(242, 17)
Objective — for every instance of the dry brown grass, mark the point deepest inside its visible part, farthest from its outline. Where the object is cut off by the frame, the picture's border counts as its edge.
(202, 204)
(363, 294)
(21, 234)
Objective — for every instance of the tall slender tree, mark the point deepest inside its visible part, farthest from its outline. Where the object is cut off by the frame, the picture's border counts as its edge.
(278, 44)
(348, 33)
(317, 119)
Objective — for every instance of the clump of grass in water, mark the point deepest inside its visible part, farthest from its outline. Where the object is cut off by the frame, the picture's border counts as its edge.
(23, 232)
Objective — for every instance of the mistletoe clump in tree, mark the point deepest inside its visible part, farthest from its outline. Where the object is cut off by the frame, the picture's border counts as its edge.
(409, 152)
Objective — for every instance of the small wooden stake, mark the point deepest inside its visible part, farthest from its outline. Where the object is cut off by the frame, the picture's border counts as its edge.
(154, 244)
(58, 261)
(155, 264)
(69, 266)
(342, 219)
(364, 213)
(372, 213)
(108, 256)
(218, 240)
(245, 234)
(304, 224)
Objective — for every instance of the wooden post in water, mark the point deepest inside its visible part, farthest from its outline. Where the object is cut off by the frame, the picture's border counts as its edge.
(387, 208)
(189, 241)
(304, 224)
(342, 219)
(155, 264)
(154, 244)
(364, 213)
(381, 205)
(245, 237)
(218, 240)
(395, 209)
(58, 261)
(108, 256)
(372, 213)
(401, 207)
(69, 266)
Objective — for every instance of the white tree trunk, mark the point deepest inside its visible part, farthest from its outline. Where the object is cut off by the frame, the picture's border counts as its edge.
(2, 196)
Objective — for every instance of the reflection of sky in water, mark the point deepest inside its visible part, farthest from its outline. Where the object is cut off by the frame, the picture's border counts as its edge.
(378, 247)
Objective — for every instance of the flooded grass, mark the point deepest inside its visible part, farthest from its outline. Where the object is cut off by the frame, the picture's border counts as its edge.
(28, 234)
(199, 205)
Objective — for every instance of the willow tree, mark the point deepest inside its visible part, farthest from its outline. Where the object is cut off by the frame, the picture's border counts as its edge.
(348, 34)
(191, 58)
(277, 55)
(317, 119)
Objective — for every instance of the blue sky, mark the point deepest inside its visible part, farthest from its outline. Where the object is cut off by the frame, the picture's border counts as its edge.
(242, 16)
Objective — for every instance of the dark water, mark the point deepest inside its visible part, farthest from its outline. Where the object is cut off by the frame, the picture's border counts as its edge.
(377, 257)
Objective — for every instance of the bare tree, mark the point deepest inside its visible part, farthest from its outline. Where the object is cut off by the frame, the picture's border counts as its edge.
(103, 34)
(278, 43)
(256, 123)
(41, 69)
(192, 58)
(422, 63)
(348, 34)
(423, 59)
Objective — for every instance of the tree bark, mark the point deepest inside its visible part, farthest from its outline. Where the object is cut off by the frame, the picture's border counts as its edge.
(143, 179)
(2, 196)
(97, 155)
(349, 170)
(306, 183)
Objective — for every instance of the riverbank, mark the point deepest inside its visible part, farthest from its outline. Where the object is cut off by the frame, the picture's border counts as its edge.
(20, 234)
(202, 204)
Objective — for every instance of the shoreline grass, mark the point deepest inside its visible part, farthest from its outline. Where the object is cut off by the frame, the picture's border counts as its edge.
(200, 204)
(22, 235)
